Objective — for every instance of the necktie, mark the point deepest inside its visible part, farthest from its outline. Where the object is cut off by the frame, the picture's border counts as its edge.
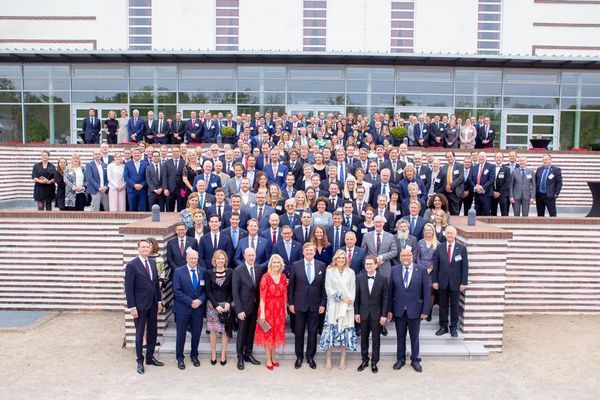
(449, 175)
(215, 242)
(412, 225)
(348, 222)
(406, 277)
(543, 182)
(219, 211)
(449, 252)
(288, 249)
(148, 269)
(194, 278)
(479, 174)
(383, 191)
(176, 165)
(274, 237)
(234, 238)
(350, 256)
(201, 202)
(181, 247)
(341, 173)
(252, 274)
(336, 243)
(260, 214)
(522, 174)
(402, 243)
(160, 125)
(306, 234)
(309, 273)
(378, 242)
(252, 243)
(157, 171)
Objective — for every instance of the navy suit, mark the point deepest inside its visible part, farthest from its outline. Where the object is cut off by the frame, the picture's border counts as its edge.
(295, 254)
(91, 131)
(246, 295)
(186, 316)
(143, 293)
(330, 231)
(294, 222)
(212, 210)
(407, 304)
(242, 233)
(136, 127)
(421, 132)
(93, 177)
(358, 259)
(417, 230)
(211, 185)
(554, 185)
(206, 249)
(193, 127)
(209, 131)
(299, 234)
(263, 251)
(174, 256)
(137, 199)
(450, 275)
(244, 217)
(483, 202)
(165, 130)
(279, 178)
(264, 222)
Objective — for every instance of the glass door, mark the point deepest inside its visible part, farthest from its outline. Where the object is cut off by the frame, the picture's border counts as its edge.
(519, 126)
(81, 111)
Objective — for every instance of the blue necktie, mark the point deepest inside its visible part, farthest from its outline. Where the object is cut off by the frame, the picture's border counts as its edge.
(383, 191)
(543, 182)
(342, 173)
(336, 244)
(234, 238)
(194, 279)
(309, 273)
(405, 277)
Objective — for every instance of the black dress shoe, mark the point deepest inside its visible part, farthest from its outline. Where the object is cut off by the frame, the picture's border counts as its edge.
(240, 364)
(374, 368)
(140, 368)
(311, 363)
(429, 318)
(384, 331)
(399, 364)
(180, 364)
(195, 362)
(362, 366)
(442, 331)
(155, 362)
(251, 360)
(416, 366)
(454, 333)
(298, 363)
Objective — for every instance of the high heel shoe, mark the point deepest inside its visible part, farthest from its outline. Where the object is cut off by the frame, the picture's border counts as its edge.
(270, 367)
(223, 362)
(275, 364)
(213, 362)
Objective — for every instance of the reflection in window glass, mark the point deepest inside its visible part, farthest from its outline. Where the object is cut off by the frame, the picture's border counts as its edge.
(316, 85)
(99, 72)
(315, 98)
(205, 72)
(423, 74)
(530, 77)
(207, 85)
(38, 126)
(530, 102)
(100, 84)
(99, 97)
(10, 123)
(46, 97)
(315, 73)
(514, 89)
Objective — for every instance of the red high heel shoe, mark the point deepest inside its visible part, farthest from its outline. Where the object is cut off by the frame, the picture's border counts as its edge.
(275, 364)
(270, 367)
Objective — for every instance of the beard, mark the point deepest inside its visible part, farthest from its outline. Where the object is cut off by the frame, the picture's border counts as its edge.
(403, 235)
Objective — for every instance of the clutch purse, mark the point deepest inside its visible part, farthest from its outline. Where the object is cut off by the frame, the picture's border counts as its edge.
(266, 327)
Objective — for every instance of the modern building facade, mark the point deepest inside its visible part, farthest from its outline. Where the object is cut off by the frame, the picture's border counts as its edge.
(533, 66)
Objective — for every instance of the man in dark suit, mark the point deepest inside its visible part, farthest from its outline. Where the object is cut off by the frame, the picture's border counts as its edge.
(150, 128)
(136, 126)
(91, 128)
(370, 311)
(135, 180)
(213, 241)
(212, 180)
(336, 232)
(482, 179)
(416, 223)
(258, 243)
(452, 183)
(163, 130)
(294, 165)
(189, 306)
(302, 233)
(219, 207)
(486, 134)
(450, 278)
(262, 211)
(501, 187)
(245, 287)
(383, 187)
(235, 206)
(209, 130)
(437, 132)
(154, 179)
(421, 132)
(171, 181)
(235, 233)
(144, 303)
(289, 217)
(404, 240)
(548, 184)
(193, 129)
(289, 249)
(178, 246)
(307, 299)
(408, 303)
(355, 254)
(177, 129)
(276, 171)
(467, 200)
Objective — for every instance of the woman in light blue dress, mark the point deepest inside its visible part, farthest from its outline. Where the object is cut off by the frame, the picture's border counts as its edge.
(322, 216)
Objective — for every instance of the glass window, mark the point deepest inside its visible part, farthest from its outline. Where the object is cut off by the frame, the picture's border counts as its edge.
(315, 98)
(357, 86)
(46, 71)
(569, 103)
(378, 99)
(10, 83)
(11, 123)
(46, 97)
(581, 77)
(207, 85)
(9, 97)
(531, 89)
(100, 84)
(382, 86)
(150, 71)
(586, 90)
(477, 88)
(206, 72)
(169, 110)
(424, 74)
(356, 98)
(46, 84)
(257, 71)
(424, 86)
(311, 73)
(424, 100)
(99, 72)
(153, 97)
(530, 77)
(38, 127)
(207, 97)
(99, 97)
(530, 102)
(316, 85)
(153, 84)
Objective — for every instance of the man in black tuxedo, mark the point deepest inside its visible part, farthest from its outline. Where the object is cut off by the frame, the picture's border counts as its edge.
(245, 286)
(178, 247)
(371, 308)
(450, 279)
(307, 299)
(189, 306)
(144, 303)
(408, 303)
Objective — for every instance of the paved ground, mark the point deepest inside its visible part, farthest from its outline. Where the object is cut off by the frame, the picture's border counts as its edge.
(78, 355)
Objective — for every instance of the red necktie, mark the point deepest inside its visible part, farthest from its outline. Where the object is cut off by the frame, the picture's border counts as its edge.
(181, 247)
(274, 237)
(479, 174)
(349, 257)
(449, 252)
(148, 269)
(260, 214)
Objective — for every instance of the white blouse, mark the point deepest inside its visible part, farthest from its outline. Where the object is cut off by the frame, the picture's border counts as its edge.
(115, 175)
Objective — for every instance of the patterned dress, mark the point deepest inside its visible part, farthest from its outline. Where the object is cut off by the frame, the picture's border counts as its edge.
(212, 315)
(274, 296)
(338, 330)
(424, 255)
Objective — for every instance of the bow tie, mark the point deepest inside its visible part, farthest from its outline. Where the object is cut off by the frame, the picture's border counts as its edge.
(370, 277)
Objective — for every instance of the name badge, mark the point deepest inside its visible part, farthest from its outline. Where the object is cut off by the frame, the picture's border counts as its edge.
(207, 204)
(424, 130)
(297, 226)
(278, 208)
(364, 230)
(442, 130)
(280, 174)
(456, 171)
(423, 176)
(501, 175)
(196, 125)
(201, 282)
(252, 205)
(490, 131)
(213, 185)
(486, 171)
(408, 247)
(437, 180)
(354, 228)
(398, 212)
(529, 177)
(551, 176)
(458, 258)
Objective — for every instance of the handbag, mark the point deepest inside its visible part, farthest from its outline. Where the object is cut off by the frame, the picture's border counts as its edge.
(265, 326)
(224, 317)
(182, 193)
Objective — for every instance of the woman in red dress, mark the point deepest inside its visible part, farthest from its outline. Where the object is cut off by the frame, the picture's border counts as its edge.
(272, 309)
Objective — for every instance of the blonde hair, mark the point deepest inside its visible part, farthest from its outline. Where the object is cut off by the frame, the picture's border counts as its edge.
(275, 257)
(444, 222)
(335, 257)
(217, 254)
(192, 196)
(434, 240)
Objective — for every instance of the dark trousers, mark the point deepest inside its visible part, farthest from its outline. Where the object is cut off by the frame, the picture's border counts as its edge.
(403, 323)
(367, 326)
(194, 322)
(44, 205)
(541, 203)
(501, 201)
(453, 203)
(154, 198)
(467, 202)
(445, 295)
(181, 202)
(137, 200)
(304, 319)
(482, 205)
(245, 335)
(171, 202)
(146, 322)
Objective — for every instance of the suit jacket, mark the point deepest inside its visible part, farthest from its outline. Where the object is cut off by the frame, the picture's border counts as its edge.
(450, 274)
(403, 186)
(211, 185)
(373, 305)
(171, 179)
(520, 188)
(415, 299)
(295, 254)
(421, 133)
(376, 191)
(387, 251)
(131, 176)
(423, 173)
(193, 127)
(279, 178)
(230, 187)
(244, 217)
(177, 131)
(263, 250)
(165, 130)
(358, 258)
(137, 128)
(502, 181)
(184, 293)
(141, 292)
(150, 130)
(245, 292)
(410, 242)
(436, 130)
(296, 170)
(206, 249)
(417, 231)
(481, 136)
(91, 131)
(553, 182)
(299, 234)
(174, 257)
(307, 296)
(154, 181)
(264, 223)
(294, 222)
(330, 231)
(487, 178)
(92, 177)
(212, 210)
(209, 131)
(457, 185)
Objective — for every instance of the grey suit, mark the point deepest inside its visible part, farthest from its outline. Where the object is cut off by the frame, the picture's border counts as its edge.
(155, 182)
(387, 251)
(522, 188)
(230, 187)
(251, 202)
(410, 242)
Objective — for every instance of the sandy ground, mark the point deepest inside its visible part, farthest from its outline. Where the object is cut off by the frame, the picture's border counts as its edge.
(78, 355)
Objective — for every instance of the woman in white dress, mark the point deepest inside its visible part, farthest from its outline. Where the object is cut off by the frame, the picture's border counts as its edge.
(116, 184)
(123, 133)
(467, 135)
